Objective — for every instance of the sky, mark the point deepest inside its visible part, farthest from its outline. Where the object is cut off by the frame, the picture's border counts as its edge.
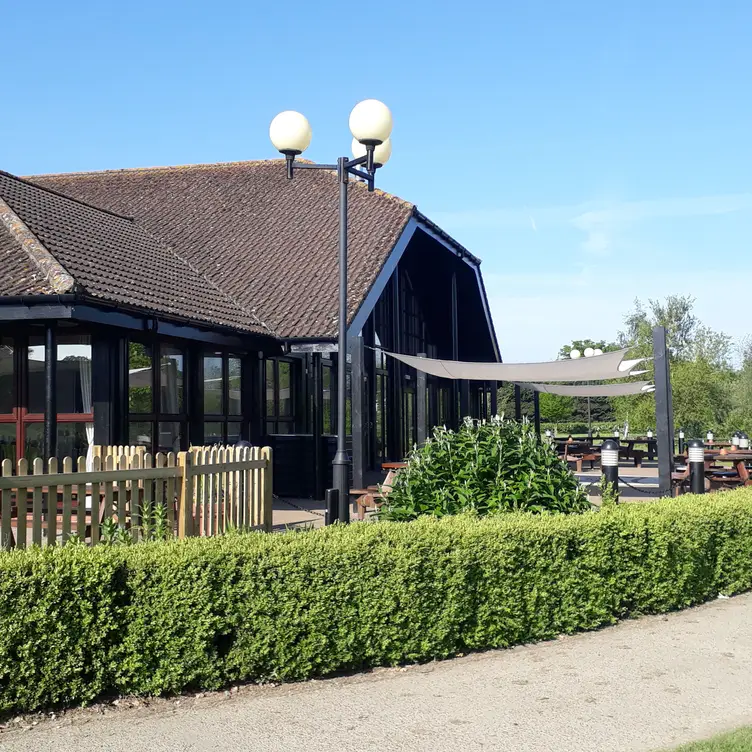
(589, 152)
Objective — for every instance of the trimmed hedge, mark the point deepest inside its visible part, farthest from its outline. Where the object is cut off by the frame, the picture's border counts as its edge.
(79, 622)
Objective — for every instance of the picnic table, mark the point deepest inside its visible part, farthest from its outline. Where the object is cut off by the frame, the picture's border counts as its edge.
(371, 497)
(716, 476)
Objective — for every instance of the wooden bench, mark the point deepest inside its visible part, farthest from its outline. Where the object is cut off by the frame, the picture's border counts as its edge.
(372, 497)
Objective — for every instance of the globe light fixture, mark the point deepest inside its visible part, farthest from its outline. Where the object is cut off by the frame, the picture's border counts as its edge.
(371, 122)
(381, 152)
(597, 351)
(371, 126)
(589, 352)
(574, 354)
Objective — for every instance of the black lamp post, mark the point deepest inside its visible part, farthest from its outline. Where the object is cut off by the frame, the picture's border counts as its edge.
(371, 126)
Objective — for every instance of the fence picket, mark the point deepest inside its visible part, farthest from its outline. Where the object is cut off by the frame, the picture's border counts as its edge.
(6, 509)
(148, 511)
(65, 524)
(122, 493)
(171, 491)
(109, 511)
(51, 516)
(36, 505)
(267, 509)
(21, 502)
(134, 492)
(96, 496)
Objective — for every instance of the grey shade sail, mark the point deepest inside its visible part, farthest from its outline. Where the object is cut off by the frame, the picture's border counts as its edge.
(610, 365)
(591, 390)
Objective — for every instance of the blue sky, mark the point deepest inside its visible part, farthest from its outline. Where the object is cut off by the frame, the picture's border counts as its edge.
(589, 152)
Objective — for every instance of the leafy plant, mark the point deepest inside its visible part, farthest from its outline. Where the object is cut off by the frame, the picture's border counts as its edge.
(485, 467)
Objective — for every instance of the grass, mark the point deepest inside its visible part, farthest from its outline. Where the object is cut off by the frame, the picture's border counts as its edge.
(736, 741)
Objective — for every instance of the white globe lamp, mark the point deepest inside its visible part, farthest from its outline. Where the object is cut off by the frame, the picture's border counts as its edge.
(381, 152)
(589, 352)
(290, 132)
(597, 351)
(574, 354)
(371, 122)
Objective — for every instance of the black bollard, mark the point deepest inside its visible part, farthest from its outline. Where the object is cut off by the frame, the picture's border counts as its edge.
(743, 441)
(344, 510)
(610, 464)
(332, 505)
(681, 441)
(696, 451)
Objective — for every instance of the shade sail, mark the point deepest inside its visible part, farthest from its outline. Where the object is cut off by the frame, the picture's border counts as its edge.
(591, 390)
(610, 365)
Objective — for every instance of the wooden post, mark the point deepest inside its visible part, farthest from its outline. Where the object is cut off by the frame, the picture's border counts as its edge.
(185, 496)
(267, 509)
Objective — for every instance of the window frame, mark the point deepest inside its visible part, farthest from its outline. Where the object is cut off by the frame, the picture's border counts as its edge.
(225, 418)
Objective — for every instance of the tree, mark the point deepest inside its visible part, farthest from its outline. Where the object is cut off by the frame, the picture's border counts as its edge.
(556, 408)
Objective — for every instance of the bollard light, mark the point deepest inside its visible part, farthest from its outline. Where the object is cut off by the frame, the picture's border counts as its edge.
(616, 433)
(650, 433)
(743, 441)
(710, 437)
(735, 439)
(610, 464)
(696, 452)
(681, 441)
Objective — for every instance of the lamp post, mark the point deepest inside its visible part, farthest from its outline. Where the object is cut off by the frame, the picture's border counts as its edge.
(588, 352)
(371, 126)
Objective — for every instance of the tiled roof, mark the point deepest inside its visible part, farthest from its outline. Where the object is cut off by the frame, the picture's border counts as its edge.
(108, 257)
(269, 243)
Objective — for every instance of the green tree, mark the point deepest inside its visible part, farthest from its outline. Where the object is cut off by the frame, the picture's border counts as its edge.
(555, 408)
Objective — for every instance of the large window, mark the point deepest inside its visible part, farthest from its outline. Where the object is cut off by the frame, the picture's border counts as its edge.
(156, 401)
(222, 377)
(280, 396)
(22, 396)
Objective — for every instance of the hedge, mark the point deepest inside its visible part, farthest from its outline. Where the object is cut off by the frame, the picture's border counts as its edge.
(77, 622)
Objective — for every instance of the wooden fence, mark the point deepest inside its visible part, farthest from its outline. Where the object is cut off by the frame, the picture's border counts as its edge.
(129, 492)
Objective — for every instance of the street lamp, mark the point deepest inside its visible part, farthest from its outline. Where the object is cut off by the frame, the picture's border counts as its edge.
(371, 126)
(588, 352)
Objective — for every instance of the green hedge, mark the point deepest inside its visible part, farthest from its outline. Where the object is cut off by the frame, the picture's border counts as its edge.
(77, 622)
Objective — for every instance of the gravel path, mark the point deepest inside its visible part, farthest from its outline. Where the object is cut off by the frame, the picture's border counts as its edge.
(642, 685)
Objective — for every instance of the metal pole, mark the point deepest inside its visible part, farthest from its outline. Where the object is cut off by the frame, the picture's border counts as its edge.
(332, 505)
(50, 391)
(341, 462)
(664, 418)
(696, 451)
(517, 403)
(421, 395)
(536, 412)
(610, 464)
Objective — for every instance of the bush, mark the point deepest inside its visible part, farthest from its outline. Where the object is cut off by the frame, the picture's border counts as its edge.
(499, 466)
(77, 622)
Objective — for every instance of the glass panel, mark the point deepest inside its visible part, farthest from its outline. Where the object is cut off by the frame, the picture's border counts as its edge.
(7, 378)
(8, 442)
(234, 370)
(72, 439)
(213, 433)
(285, 426)
(140, 361)
(139, 434)
(213, 386)
(35, 364)
(327, 394)
(233, 432)
(285, 390)
(34, 441)
(270, 427)
(74, 375)
(169, 437)
(270, 389)
(171, 379)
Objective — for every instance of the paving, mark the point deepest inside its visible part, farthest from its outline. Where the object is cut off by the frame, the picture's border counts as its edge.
(645, 684)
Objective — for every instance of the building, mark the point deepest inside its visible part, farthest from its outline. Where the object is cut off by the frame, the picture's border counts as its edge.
(192, 305)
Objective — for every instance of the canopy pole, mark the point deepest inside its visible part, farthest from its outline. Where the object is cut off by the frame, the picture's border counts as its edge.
(664, 415)
(536, 412)
(517, 402)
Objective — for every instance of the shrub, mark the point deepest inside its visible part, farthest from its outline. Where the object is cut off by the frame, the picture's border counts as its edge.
(499, 466)
(77, 622)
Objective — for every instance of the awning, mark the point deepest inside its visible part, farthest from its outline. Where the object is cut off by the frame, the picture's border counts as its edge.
(610, 365)
(592, 390)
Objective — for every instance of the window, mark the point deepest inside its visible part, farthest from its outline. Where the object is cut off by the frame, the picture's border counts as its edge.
(280, 396)
(328, 380)
(222, 375)
(156, 402)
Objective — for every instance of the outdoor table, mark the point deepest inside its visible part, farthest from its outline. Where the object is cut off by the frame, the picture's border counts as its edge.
(738, 459)
(393, 465)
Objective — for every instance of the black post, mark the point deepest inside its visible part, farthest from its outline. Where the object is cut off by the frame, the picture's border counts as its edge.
(421, 394)
(341, 462)
(664, 417)
(681, 441)
(50, 391)
(494, 398)
(464, 399)
(696, 465)
(456, 410)
(610, 464)
(517, 402)
(359, 409)
(332, 506)
(317, 429)
(536, 412)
